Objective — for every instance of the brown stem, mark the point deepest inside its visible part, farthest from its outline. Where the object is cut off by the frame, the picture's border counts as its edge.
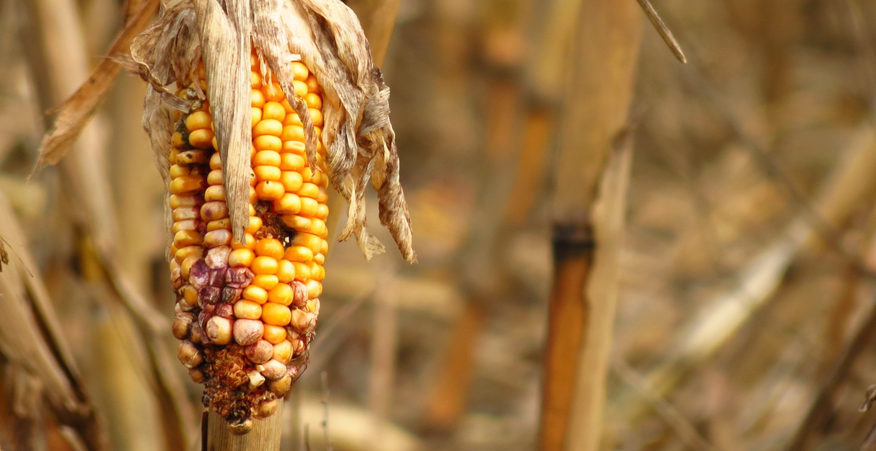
(264, 436)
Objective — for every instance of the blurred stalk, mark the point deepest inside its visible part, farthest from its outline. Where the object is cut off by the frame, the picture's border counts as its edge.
(597, 95)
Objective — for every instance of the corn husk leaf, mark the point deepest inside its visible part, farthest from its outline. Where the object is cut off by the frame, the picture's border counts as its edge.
(327, 37)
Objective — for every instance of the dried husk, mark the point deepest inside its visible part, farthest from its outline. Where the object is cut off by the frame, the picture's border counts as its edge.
(327, 37)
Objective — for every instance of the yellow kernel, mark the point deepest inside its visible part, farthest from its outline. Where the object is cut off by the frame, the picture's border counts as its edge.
(318, 228)
(321, 197)
(300, 88)
(214, 177)
(276, 314)
(177, 201)
(185, 238)
(186, 184)
(274, 334)
(297, 223)
(185, 213)
(291, 180)
(308, 240)
(314, 289)
(285, 271)
(292, 119)
(316, 117)
(301, 254)
(274, 110)
(264, 265)
(186, 265)
(249, 242)
(212, 211)
(199, 120)
(269, 190)
(257, 98)
(247, 309)
(291, 162)
(256, 294)
(287, 107)
(317, 272)
(319, 258)
(271, 173)
(322, 211)
(299, 70)
(266, 158)
(219, 237)
(309, 206)
(189, 251)
(312, 84)
(256, 116)
(293, 133)
(188, 224)
(309, 190)
(313, 100)
(190, 294)
(266, 281)
(302, 271)
(176, 140)
(214, 193)
(269, 247)
(178, 171)
(281, 294)
(323, 246)
(255, 223)
(273, 92)
(288, 203)
(201, 138)
(268, 142)
(268, 126)
(255, 80)
(214, 142)
(241, 257)
(215, 161)
(283, 351)
(219, 224)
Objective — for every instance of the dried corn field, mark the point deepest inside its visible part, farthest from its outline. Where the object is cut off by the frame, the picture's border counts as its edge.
(615, 250)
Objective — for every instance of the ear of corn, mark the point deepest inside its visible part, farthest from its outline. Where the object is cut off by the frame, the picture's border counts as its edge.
(246, 311)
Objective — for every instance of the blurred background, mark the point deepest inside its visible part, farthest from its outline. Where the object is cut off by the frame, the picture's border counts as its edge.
(746, 267)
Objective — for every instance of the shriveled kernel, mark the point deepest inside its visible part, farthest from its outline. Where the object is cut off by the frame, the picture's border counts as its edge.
(271, 173)
(269, 247)
(274, 334)
(260, 351)
(285, 271)
(198, 120)
(188, 354)
(218, 330)
(241, 257)
(247, 331)
(268, 407)
(288, 203)
(247, 309)
(181, 325)
(301, 320)
(256, 294)
(302, 254)
(196, 375)
(270, 190)
(273, 369)
(281, 294)
(264, 265)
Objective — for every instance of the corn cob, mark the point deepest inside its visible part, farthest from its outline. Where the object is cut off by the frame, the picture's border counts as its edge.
(246, 311)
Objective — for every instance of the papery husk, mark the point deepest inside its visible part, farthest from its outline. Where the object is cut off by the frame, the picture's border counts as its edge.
(327, 37)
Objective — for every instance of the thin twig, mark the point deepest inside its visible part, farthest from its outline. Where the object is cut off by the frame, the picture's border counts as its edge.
(662, 30)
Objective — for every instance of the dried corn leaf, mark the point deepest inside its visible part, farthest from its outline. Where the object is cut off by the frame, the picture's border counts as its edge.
(327, 37)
